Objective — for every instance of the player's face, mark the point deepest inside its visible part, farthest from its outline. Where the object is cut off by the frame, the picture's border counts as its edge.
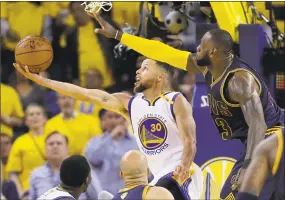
(202, 56)
(56, 147)
(35, 117)
(146, 75)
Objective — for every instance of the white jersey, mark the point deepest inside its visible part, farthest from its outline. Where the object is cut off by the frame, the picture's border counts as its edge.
(156, 132)
(55, 193)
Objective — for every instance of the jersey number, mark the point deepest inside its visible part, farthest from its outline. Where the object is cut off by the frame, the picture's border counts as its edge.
(155, 127)
(227, 131)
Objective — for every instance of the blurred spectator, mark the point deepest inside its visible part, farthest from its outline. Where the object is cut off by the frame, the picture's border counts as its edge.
(8, 188)
(47, 176)
(50, 99)
(94, 51)
(78, 127)
(94, 80)
(5, 147)
(11, 110)
(188, 85)
(28, 91)
(104, 152)
(14, 16)
(27, 152)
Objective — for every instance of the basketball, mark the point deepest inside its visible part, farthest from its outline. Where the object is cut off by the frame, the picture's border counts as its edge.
(34, 51)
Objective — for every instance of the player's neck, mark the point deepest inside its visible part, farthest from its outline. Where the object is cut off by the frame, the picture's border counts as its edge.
(75, 192)
(135, 182)
(218, 67)
(152, 93)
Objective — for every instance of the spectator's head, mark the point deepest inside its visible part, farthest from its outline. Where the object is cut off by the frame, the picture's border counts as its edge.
(134, 166)
(216, 45)
(75, 172)
(153, 74)
(5, 146)
(56, 147)
(66, 104)
(79, 14)
(94, 79)
(109, 120)
(35, 116)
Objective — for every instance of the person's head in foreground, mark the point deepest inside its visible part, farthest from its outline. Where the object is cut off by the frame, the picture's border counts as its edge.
(216, 46)
(75, 175)
(153, 74)
(135, 171)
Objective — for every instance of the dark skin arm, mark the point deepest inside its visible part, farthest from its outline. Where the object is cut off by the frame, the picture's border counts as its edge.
(187, 131)
(260, 167)
(244, 89)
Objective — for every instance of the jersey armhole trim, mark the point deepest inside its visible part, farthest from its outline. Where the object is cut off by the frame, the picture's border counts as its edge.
(205, 72)
(145, 190)
(236, 105)
(129, 110)
(172, 105)
(279, 152)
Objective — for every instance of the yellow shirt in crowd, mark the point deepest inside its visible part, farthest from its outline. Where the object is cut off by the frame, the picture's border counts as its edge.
(10, 106)
(26, 154)
(88, 108)
(79, 130)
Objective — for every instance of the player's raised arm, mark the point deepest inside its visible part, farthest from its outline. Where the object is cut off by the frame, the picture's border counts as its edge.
(244, 90)
(116, 102)
(187, 130)
(149, 48)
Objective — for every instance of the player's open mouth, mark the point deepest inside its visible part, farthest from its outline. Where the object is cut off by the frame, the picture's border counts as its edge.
(137, 80)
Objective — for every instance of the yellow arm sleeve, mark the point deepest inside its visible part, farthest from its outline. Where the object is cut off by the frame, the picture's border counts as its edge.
(157, 50)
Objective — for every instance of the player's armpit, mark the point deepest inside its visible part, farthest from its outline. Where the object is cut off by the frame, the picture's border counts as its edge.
(117, 102)
(158, 193)
(244, 89)
(186, 127)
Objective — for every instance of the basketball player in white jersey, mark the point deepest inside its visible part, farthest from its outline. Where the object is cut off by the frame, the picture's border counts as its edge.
(74, 177)
(162, 123)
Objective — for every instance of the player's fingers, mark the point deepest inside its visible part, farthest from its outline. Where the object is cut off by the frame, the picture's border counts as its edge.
(99, 30)
(27, 69)
(19, 68)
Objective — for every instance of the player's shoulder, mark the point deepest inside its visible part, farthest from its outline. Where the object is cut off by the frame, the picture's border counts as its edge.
(162, 193)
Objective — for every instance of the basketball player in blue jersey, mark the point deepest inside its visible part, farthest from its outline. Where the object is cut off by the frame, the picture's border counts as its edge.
(240, 103)
(268, 159)
(134, 171)
(162, 122)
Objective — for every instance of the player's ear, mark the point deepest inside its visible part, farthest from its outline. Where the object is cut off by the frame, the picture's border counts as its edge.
(213, 51)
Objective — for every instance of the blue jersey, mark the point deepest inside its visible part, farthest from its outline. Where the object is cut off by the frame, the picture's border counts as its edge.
(135, 193)
(227, 115)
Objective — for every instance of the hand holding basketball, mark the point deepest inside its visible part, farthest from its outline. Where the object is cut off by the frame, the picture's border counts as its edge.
(23, 70)
(106, 29)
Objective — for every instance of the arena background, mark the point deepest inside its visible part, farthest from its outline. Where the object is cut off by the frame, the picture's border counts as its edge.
(257, 29)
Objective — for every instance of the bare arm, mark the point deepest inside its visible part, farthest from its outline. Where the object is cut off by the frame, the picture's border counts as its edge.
(187, 129)
(115, 102)
(11, 121)
(261, 165)
(244, 90)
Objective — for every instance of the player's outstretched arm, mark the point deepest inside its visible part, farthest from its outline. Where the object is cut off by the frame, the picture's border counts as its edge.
(244, 89)
(262, 163)
(158, 193)
(149, 48)
(187, 130)
(115, 102)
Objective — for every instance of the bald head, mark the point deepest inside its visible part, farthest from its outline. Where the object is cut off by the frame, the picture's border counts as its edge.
(134, 164)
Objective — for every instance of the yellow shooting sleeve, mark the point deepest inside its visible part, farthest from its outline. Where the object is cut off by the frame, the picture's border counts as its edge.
(157, 51)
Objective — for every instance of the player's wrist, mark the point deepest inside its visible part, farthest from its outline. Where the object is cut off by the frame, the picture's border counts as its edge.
(118, 35)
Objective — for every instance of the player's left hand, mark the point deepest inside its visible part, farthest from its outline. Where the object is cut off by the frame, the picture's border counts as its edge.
(181, 173)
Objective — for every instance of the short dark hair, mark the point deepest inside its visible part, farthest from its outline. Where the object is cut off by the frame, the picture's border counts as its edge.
(74, 171)
(168, 68)
(56, 132)
(222, 38)
(102, 112)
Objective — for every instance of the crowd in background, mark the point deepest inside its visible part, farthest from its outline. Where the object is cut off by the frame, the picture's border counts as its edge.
(39, 128)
